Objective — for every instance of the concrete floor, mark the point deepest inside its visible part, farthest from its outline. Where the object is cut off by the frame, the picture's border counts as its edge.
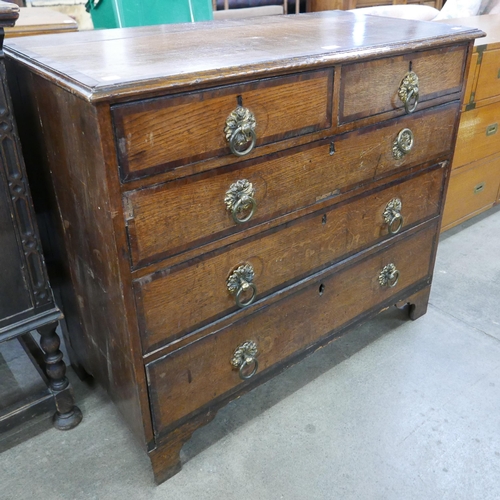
(394, 410)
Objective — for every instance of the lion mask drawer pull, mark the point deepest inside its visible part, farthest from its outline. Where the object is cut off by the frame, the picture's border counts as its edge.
(246, 355)
(240, 282)
(240, 131)
(389, 276)
(408, 91)
(403, 144)
(392, 216)
(239, 199)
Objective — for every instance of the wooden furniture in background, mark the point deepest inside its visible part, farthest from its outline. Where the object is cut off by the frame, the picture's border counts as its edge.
(26, 300)
(319, 5)
(228, 210)
(261, 10)
(40, 21)
(475, 180)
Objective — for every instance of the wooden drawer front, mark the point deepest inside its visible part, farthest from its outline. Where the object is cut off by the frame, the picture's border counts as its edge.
(370, 88)
(478, 135)
(159, 134)
(468, 96)
(165, 298)
(471, 190)
(488, 84)
(169, 218)
(187, 379)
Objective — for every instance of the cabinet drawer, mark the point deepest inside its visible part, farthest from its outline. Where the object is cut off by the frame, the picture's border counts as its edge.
(370, 88)
(478, 135)
(157, 135)
(185, 380)
(171, 217)
(471, 190)
(276, 257)
(488, 84)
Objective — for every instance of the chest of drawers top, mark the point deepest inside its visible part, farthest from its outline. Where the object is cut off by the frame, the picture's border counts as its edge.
(119, 64)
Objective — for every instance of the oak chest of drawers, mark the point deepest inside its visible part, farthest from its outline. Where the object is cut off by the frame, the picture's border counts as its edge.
(233, 196)
(475, 177)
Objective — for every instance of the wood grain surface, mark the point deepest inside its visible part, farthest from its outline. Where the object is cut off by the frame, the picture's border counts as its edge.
(178, 130)
(130, 62)
(473, 141)
(488, 84)
(171, 217)
(383, 78)
(189, 378)
(278, 258)
(473, 189)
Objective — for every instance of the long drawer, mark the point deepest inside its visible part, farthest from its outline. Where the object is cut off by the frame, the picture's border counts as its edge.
(370, 88)
(169, 218)
(156, 135)
(185, 380)
(276, 258)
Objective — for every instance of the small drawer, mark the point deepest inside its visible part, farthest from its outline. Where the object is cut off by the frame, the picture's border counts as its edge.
(160, 134)
(478, 135)
(185, 380)
(169, 218)
(472, 189)
(277, 258)
(370, 88)
(488, 84)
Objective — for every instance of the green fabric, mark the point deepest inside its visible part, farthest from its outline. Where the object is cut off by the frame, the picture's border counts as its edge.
(126, 13)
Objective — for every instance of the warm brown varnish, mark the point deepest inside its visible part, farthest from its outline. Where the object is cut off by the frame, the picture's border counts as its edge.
(127, 128)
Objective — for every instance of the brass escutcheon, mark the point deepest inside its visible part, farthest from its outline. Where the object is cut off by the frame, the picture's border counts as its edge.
(240, 131)
(240, 198)
(246, 355)
(240, 281)
(392, 215)
(403, 143)
(408, 91)
(389, 276)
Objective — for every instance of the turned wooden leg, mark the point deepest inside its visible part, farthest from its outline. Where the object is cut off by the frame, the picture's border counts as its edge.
(67, 415)
(417, 303)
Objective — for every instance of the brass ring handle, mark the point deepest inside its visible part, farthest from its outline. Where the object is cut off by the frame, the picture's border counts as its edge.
(403, 144)
(245, 355)
(240, 130)
(390, 226)
(239, 282)
(392, 214)
(409, 92)
(239, 198)
(389, 276)
(242, 289)
(243, 204)
(247, 362)
(413, 95)
(237, 140)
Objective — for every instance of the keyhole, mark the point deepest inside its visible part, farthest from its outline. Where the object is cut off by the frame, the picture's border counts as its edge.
(239, 99)
(323, 220)
(332, 149)
(321, 289)
(411, 65)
